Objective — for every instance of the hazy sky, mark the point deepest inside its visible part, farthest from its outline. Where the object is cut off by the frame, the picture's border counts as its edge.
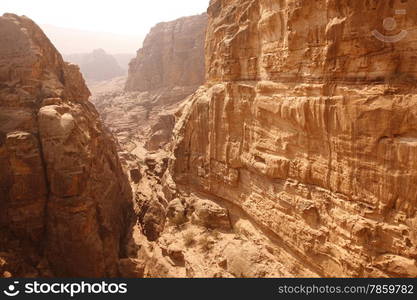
(130, 17)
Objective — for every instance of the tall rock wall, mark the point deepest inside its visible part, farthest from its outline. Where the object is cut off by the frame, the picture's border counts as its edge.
(172, 56)
(308, 122)
(62, 188)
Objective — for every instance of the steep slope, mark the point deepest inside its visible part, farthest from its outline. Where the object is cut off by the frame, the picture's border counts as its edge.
(65, 204)
(308, 124)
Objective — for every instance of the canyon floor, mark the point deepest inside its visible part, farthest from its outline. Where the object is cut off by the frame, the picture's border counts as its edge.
(203, 236)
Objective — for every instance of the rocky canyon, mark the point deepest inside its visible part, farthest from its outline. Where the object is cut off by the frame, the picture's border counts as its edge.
(260, 139)
(139, 109)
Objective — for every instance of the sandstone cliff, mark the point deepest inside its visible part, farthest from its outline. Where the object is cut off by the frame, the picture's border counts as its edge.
(171, 56)
(308, 126)
(168, 69)
(65, 204)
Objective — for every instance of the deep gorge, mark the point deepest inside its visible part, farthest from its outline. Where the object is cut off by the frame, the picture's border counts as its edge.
(260, 139)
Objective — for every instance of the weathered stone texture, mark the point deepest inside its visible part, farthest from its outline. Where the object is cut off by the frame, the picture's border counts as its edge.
(171, 56)
(62, 186)
(309, 124)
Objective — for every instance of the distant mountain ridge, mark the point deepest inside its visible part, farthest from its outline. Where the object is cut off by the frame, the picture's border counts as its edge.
(99, 65)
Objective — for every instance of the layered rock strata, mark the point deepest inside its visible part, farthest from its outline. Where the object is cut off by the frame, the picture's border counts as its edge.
(65, 201)
(172, 56)
(308, 124)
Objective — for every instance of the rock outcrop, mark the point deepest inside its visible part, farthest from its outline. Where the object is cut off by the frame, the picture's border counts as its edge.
(97, 65)
(65, 203)
(308, 124)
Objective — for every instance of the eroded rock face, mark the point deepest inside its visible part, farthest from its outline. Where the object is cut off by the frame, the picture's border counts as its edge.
(308, 123)
(171, 56)
(63, 191)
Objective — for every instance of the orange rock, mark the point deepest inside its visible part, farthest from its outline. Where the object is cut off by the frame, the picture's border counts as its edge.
(62, 186)
(308, 123)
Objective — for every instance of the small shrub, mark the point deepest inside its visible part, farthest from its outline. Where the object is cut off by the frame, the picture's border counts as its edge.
(189, 238)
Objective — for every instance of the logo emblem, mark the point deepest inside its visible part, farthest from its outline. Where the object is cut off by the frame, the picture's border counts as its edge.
(389, 25)
(12, 290)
